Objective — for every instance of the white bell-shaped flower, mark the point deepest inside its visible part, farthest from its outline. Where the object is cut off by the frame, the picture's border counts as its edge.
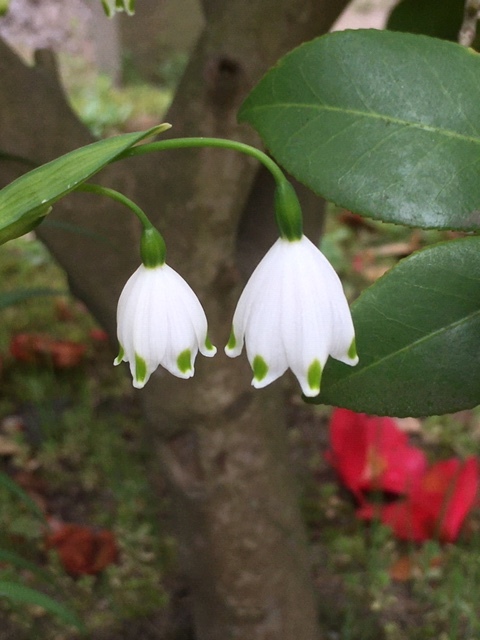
(160, 321)
(293, 314)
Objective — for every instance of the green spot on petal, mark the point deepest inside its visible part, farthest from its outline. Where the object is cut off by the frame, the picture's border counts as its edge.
(314, 375)
(184, 361)
(352, 352)
(208, 344)
(232, 341)
(140, 369)
(121, 355)
(260, 368)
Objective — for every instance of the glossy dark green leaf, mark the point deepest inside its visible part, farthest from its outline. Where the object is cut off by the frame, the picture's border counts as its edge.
(25, 201)
(19, 593)
(418, 338)
(385, 124)
(430, 17)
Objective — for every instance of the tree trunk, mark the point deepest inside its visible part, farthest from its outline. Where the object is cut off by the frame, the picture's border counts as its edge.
(160, 36)
(223, 446)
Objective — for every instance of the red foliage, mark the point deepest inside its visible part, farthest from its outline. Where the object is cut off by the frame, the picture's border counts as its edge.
(82, 550)
(38, 348)
(98, 335)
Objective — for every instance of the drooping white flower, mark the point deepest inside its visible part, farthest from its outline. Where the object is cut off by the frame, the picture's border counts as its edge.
(160, 321)
(293, 314)
(112, 6)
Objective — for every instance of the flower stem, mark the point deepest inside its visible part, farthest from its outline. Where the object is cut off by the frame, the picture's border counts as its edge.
(152, 246)
(287, 208)
(222, 143)
(118, 197)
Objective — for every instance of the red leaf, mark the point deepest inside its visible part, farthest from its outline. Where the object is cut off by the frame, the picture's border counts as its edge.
(82, 550)
(98, 335)
(407, 567)
(38, 348)
(67, 354)
(26, 347)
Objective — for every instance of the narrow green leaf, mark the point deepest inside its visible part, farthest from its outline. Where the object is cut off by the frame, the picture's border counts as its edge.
(19, 561)
(19, 593)
(13, 487)
(385, 124)
(418, 338)
(25, 200)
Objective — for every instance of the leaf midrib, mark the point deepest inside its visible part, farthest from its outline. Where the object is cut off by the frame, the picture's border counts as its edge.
(410, 345)
(364, 114)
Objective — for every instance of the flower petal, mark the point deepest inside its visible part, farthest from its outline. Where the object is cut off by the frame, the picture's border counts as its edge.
(293, 313)
(160, 321)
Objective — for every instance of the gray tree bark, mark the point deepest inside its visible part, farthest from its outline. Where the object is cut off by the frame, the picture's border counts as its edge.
(222, 445)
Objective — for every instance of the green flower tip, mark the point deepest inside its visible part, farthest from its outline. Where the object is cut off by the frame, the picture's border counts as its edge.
(260, 368)
(140, 371)
(352, 352)
(232, 341)
(314, 376)
(120, 357)
(112, 6)
(208, 345)
(184, 361)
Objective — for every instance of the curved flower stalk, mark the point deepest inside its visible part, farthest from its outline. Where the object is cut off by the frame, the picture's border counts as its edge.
(293, 314)
(160, 321)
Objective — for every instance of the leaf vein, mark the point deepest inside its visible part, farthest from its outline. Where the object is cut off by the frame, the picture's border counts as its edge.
(370, 114)
(402, 351)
